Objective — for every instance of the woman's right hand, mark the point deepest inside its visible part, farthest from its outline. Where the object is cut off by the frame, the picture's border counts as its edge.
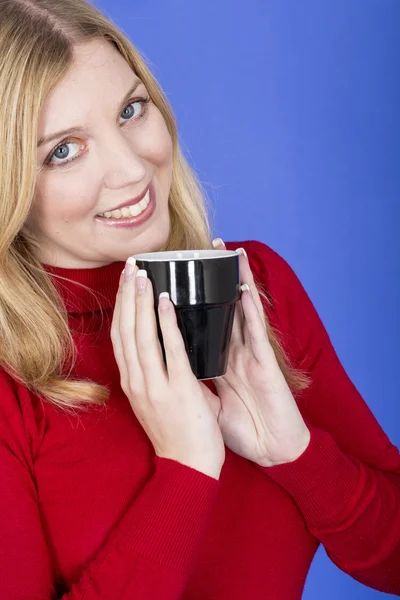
(169, 402)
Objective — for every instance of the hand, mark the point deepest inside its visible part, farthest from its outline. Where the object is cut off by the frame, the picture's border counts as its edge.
(257, 413)
(169, 403)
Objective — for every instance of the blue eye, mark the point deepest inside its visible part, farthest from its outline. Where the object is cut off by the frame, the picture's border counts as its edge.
(62, 153)
(127, 112)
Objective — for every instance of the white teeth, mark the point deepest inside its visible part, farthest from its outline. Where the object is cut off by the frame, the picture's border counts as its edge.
(128, 211)
(135, 210)
(125, 212)
(143, 203)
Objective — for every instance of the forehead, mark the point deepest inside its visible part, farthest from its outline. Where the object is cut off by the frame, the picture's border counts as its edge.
(97, 80)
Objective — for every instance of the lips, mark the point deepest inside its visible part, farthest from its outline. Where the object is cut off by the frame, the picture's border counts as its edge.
(128, 203)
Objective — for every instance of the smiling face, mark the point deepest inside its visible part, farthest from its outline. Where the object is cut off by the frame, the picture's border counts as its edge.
(124, 147)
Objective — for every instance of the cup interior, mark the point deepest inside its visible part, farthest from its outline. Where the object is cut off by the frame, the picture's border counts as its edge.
(182, 255)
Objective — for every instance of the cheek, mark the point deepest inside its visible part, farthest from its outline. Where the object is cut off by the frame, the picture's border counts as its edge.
(156, 142)
(64, 198)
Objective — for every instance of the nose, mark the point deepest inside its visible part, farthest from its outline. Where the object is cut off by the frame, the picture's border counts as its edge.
(123, 163)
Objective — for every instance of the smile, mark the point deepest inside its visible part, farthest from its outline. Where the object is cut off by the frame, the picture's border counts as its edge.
(133, 210)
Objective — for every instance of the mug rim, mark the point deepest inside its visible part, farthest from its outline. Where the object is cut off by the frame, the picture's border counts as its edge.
(185, 255)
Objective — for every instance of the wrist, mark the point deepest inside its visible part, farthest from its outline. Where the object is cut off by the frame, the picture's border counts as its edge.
(299, 448)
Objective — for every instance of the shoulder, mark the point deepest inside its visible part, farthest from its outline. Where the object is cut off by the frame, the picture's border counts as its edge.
(291, 311)
(8, 392)
(20, 416)
(270, 269)
(266, 261)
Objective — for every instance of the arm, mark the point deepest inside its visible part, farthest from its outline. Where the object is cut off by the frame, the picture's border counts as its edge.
(148, 554)
(347, 482)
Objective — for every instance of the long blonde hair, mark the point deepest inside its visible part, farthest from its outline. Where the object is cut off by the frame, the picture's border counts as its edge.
(36, 48)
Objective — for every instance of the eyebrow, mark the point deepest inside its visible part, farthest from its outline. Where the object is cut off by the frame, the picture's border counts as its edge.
(48, 138)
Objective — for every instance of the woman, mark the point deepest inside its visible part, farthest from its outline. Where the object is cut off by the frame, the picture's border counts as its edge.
(120, 477)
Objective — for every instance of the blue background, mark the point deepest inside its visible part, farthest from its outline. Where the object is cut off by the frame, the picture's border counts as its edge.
(289, 113)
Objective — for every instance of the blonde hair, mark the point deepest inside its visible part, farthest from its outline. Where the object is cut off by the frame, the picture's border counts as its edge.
(37, 38)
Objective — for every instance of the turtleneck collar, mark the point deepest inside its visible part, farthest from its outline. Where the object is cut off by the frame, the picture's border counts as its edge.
(101, 281)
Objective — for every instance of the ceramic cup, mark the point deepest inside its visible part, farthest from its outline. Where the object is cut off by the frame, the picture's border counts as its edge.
(204, 286)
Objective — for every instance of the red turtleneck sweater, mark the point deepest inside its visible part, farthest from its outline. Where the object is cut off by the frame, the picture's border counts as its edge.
(87, 511)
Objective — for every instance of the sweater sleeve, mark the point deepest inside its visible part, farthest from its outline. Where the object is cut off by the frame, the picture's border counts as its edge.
(347, 481)
(149, 553)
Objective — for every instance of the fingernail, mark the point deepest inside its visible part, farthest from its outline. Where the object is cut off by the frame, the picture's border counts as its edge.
(245, 288)
(121, 277)
(217, 242)
(129, 268)
(241, 251)
(164, 306)
(141, 281)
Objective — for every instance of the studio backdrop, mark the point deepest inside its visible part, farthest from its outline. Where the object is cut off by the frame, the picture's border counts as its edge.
(290, 114)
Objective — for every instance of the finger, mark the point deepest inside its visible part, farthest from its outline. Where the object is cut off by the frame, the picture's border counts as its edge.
(178, 364)
(237, 337)
(127, 327)
(246, 276)
(116, 335)
(255, 335)
(147, 342)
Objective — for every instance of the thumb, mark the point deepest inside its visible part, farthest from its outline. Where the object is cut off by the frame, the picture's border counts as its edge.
(213, 401)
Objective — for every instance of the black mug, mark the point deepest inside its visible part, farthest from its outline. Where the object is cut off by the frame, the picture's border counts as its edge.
(204, 287)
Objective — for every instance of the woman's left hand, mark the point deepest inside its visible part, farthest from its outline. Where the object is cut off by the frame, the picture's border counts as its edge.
(257, 414)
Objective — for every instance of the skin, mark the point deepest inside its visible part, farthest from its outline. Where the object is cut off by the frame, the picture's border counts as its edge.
(117, 157)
